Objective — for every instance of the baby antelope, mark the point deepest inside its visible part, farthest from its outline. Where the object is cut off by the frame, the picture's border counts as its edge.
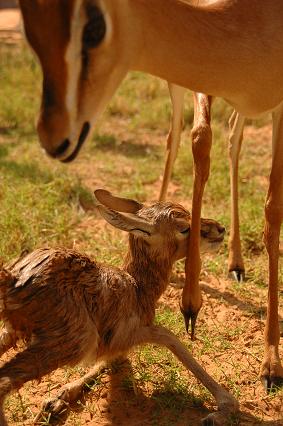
(70, 309)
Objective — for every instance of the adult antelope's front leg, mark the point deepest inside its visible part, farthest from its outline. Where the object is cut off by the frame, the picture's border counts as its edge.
(271, 370)
(235, 262)
(173, 140)
(201, 145)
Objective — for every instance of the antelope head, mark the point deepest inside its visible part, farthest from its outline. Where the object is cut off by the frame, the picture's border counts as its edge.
(81, 48)
(163, 228)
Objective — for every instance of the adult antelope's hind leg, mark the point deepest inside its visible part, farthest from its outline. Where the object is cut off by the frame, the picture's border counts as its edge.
(227, 404)
(271, 369)
(201, 145)
(235, 262)
(173, 140)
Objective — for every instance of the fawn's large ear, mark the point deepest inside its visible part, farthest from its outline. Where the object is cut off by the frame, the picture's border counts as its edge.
(118, 204)
(126, 222)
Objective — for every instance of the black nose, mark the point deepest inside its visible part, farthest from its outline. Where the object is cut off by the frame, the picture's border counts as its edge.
(221, 229)
(84, 133)
(62, 148)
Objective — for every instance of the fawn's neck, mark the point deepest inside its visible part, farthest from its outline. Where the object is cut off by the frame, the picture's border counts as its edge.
(150, 272)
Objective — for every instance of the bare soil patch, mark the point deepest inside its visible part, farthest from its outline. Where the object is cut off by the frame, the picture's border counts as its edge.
(10, 25)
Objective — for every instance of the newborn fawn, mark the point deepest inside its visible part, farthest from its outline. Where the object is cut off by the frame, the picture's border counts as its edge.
(70, 309)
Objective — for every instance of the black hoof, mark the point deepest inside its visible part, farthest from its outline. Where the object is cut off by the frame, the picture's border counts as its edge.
(190, 318)
(237, 275)
(272, 384)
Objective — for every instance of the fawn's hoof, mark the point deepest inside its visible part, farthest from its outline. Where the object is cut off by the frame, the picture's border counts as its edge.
(220, 418)
(214, 419)
(51, 408)
(228, 408)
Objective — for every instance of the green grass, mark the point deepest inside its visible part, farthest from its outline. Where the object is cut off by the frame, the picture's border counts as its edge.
(39, 205)
(144, 104)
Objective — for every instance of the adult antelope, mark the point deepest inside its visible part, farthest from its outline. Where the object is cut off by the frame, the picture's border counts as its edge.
(201, 134)
(232, 49)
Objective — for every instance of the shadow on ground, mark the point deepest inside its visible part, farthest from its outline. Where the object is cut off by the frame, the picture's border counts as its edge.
(121, 404)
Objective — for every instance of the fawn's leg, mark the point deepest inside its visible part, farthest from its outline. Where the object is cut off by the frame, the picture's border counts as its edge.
(227, 404)
(201, 145)
(174, 136)
(69, 394)
(235, 262)
(271, 369)
(25, 366)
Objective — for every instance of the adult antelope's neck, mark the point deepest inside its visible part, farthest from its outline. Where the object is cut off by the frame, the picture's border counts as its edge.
(212, 49)
(179, 39)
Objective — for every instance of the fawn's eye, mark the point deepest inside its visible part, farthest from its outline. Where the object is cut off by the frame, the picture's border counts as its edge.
(204, 233)
(95, 28)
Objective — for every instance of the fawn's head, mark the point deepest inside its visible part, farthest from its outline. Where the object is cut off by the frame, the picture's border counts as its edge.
(164, 227)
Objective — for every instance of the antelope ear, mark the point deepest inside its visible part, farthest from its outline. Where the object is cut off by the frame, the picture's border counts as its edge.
(118, 204)
(127, 222)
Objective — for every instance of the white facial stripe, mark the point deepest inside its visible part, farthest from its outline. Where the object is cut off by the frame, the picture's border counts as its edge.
(108, 22)
(74, 62)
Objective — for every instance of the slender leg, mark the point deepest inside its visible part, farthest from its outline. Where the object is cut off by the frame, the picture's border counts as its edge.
(271, 369)
(235, 261)
(69, 394)
(201, 145)
(25, 366)
(227, 404)
(174, 136)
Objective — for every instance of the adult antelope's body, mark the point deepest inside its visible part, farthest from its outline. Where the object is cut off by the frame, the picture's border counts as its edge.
(86, 47)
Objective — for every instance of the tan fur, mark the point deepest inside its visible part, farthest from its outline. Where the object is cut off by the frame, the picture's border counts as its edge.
(71, 309)
(213, 49)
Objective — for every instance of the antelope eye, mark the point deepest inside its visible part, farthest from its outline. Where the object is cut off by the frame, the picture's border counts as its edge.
(185, 231)
(204, 232)
(95, 29)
